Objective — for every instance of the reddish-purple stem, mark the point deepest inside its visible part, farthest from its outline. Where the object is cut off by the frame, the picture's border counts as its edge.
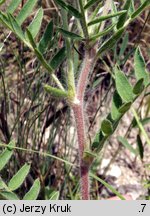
(87, 67)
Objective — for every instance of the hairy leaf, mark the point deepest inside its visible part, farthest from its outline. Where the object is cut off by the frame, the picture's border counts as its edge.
(116, 104)
(17, 180)
(125, 107)
(13, 6)
(54, 195)
(8, 195)
(35, 26)
(123, 86)
(140, 67)
(25, 11)
(55, 92)
(33, 193)
(139, 87)
(106, 127)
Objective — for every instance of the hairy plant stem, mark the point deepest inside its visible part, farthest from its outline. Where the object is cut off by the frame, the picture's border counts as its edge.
(78, 106)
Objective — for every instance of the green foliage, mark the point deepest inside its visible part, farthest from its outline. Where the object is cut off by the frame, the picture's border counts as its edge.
(69, 8)
(58, 58)
(35, 25)
(102, 18)
(91, 3)
(69, 34)
(46, 38)
(32, 194)
(54, 195)
(6, 155)
(6, 192)
(55, 92)
(25, 11)
(107, 127)
(17, 180)
(140, 67)
(123, 86)
(123, 17)
(13, 6)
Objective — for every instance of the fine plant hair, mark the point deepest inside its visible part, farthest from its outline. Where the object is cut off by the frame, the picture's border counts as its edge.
(90, 30)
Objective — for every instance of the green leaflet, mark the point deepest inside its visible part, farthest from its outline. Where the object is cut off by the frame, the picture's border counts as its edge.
(30, 38)
(139, 87)
(54, 195)
(17, 180)
(107, 127)
(58, 58)
(46, 38)
(6, 155)
(35, 25)
(132, 8)
(102, 18)
(135, 14)
(13, 6)
(25, 11)
(2, 184)
(55, 92)
(140, 67)
(32, 194)
(69, 8)
(123, 86)
(110, 42)
(91, 3)
(16, 28)
(69, 34)
(116, 104)
(123, 17)
(125, 107)
(8, 195)
(124, 141)
(4, 19)
(100, 34)
(43, 61)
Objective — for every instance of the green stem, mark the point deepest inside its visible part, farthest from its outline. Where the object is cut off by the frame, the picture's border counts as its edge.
(83, 21)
